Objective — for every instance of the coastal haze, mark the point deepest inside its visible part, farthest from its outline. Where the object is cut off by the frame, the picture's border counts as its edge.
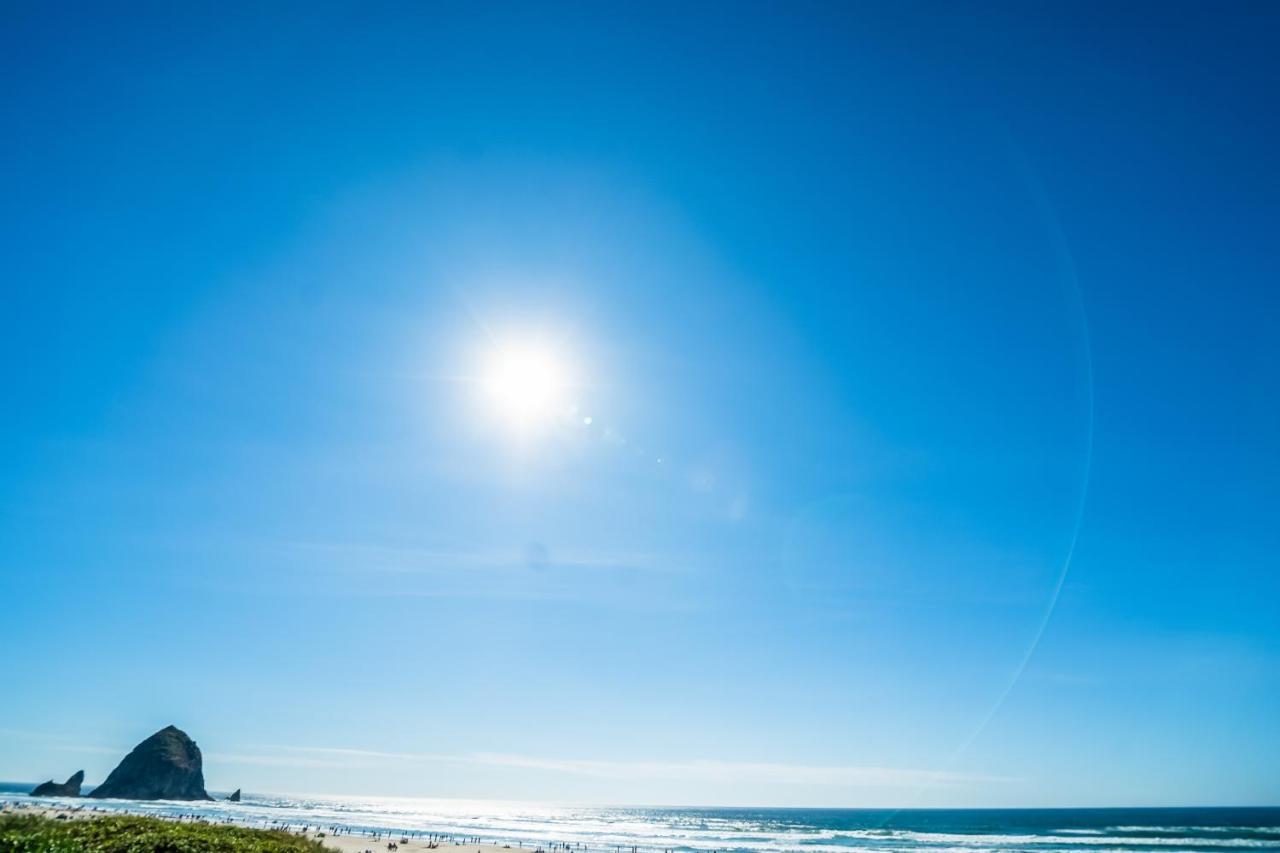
(731, 407)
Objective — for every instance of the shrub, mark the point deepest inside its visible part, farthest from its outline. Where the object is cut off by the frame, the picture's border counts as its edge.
(131, 834)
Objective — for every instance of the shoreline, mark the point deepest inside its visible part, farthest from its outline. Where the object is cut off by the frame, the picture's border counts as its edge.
(334, 837)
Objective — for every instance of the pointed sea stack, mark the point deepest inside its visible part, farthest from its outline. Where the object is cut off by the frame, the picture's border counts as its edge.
(69, 788)
(165, 766)
(235, 797)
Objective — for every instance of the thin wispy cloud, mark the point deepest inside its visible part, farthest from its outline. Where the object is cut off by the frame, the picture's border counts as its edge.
(60, 742)
(725, 771)
(533, 571)
(410, 559)
(273, 760)
(702, 770)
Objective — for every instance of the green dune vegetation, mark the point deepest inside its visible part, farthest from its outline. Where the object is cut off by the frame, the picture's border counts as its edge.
(132, 834)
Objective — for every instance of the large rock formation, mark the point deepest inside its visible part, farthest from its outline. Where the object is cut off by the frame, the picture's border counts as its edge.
(165, 766)
(69, 788)
(235, 797)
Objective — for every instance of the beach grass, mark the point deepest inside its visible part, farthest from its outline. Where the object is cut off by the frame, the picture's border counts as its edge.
(133, 834)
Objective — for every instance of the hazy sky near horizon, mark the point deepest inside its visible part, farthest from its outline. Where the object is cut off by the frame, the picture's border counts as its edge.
(913, 438)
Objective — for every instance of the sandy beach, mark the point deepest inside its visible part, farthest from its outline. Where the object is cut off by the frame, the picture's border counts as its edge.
(358, 843)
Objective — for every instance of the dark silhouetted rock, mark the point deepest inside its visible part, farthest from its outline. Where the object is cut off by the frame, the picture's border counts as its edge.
(235, 797)
(69, 788)
(165, 766)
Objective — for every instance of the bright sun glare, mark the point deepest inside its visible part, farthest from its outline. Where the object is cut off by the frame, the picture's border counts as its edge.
(528, 385)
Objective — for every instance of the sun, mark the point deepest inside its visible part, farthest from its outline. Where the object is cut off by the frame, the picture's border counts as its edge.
(528, 385)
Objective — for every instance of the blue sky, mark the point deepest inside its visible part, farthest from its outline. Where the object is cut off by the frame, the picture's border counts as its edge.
(930, 355)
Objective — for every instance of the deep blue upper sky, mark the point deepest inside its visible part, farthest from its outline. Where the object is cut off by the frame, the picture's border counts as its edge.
(930, 353)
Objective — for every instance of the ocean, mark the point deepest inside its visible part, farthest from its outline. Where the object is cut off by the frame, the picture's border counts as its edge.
(747, 830)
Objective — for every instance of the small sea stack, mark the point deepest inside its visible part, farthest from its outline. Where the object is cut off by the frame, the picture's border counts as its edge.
(235, 796)
(69, 788)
